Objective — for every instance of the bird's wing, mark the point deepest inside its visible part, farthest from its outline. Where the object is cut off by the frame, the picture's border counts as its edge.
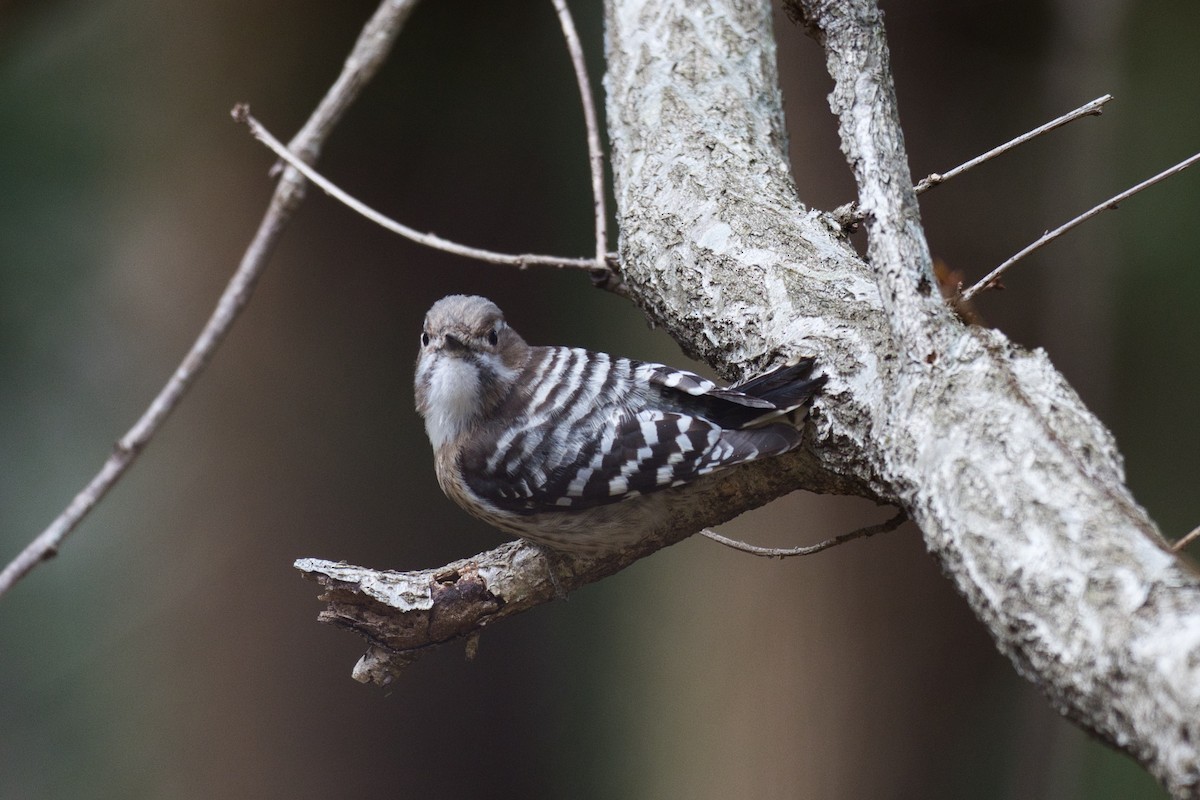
(635, 454)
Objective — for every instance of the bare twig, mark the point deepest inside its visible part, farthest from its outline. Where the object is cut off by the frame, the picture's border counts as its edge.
(242, 114)
(990, 279)
(850, 214)
(1093, 109)
(595, 153)
(787, 552)
(1186, 540)
(369, 52)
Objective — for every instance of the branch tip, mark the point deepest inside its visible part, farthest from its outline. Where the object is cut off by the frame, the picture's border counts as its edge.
(849, 215)
(1185, 540)
(990, 280)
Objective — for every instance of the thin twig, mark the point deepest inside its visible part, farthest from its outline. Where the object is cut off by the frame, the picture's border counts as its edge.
(242, 114)
(990, 279)
(787, 552)
(1092, 109)
(595, 153)
(1186, 540)
(368, 53)
(364, 60)
(850, 214)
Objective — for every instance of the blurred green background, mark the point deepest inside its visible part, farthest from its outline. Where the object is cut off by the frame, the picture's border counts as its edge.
(172, 651)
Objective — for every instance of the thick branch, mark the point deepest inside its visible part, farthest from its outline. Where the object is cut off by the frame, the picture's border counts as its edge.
(1017, 488)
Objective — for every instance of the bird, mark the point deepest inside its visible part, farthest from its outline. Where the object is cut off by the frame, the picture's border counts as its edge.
(582, 451)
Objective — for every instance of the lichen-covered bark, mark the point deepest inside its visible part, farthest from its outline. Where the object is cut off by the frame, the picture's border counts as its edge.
(1017, 487)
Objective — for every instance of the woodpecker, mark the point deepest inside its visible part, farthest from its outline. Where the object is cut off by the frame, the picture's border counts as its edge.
(582, 451)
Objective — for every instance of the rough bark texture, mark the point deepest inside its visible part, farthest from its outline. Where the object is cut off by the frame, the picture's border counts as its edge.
(1018, 489)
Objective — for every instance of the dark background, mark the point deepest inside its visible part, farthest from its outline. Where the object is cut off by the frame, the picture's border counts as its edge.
(172, 651)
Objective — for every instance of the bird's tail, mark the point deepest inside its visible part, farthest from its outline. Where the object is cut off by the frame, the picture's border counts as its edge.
(774, 395)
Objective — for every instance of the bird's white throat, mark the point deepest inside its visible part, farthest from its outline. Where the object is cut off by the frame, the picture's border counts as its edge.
(454, 398)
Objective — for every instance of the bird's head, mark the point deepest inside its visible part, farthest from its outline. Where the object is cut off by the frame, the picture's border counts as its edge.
(468, 363)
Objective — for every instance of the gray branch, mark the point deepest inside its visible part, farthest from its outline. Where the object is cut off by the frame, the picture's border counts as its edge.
(365, 58)
(1017, 487)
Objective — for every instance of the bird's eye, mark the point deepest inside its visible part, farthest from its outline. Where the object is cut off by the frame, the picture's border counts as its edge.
(493, 337)
(424, 339)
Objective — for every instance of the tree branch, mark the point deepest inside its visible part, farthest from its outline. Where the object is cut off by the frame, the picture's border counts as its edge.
(898, 519)
(241, 113)
(1017, 488)
(1093, 108)
(368, 53)
(592, 124)
(1186, 540)
(853, 36)
(989, 280)
(850, 214)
